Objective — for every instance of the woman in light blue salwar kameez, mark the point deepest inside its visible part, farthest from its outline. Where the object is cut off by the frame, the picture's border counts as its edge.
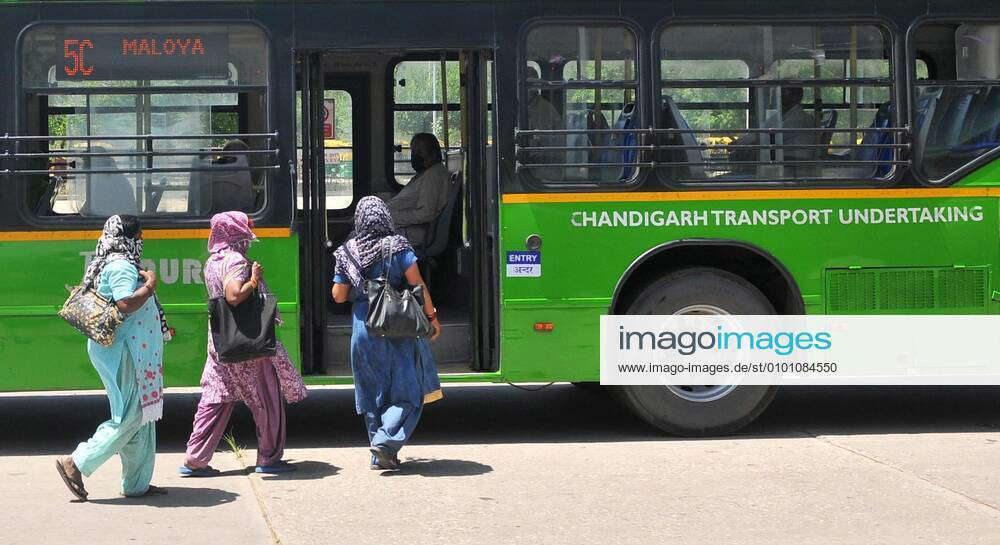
(393, 378)
(131, 368)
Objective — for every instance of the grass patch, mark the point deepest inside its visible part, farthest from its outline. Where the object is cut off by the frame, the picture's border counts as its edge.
(233, 445)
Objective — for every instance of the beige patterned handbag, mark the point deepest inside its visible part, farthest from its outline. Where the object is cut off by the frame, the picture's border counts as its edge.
(91, 314)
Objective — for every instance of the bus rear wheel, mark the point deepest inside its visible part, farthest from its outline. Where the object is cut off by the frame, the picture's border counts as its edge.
(699, 410)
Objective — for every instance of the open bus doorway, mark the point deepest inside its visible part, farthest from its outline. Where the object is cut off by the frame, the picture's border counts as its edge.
(357, 112)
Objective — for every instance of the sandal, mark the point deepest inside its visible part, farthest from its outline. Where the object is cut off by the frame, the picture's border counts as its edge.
(73, 481)
(151, 491)
(279, 467)
(207, 471)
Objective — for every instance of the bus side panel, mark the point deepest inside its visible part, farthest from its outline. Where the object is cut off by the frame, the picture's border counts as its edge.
(38, 351)
(587, 248)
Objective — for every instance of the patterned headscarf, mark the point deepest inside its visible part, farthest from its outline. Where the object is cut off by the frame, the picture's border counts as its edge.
(230, 231)
(374, 238)
(113, 245)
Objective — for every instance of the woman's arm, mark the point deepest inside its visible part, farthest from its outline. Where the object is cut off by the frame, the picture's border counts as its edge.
(341, 292)
(237, 292)
(138, 298)
(414, 278)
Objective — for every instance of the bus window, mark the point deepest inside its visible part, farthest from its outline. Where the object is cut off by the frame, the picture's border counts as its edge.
(767, 102)
(420, 95)
(956, 115)
(581, 79)
(159, 120)
(338, 148)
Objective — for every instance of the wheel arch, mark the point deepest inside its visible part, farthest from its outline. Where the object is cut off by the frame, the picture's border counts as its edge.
(746, 260)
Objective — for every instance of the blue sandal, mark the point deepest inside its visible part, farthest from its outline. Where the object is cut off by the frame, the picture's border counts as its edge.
(280, 467)
(207, 471)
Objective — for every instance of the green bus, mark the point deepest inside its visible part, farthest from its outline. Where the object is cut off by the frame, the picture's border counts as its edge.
(687, 156)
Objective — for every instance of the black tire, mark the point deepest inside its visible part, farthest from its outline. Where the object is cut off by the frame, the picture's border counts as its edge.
(667, 410)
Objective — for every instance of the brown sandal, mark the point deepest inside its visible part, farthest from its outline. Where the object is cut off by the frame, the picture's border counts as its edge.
(74, 482)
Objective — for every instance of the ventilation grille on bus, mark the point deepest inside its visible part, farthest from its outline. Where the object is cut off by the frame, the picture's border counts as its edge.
(940, 290)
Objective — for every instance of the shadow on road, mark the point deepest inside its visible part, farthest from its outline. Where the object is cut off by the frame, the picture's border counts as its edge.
(177, 497)
(426, 467)
(305, 470)
(53, 424)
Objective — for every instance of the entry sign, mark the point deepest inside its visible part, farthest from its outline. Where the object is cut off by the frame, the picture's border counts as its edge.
(524, 264)
(328, 129)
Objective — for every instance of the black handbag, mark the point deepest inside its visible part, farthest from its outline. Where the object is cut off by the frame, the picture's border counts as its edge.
(397, 314)
(246, 331)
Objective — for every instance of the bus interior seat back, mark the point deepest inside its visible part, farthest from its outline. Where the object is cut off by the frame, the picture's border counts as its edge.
(953, 119)
(925, 107)
(108, 193)
(440, 236)
(626, 120)
(455, 160)
(828, 120)
(882, 120)
(672, 119)
(589, 120)
(984, 129)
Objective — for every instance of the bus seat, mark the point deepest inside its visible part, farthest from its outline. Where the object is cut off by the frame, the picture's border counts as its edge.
(828, 120)
(883, 119)
(108, 193)
(672, 119)
(984, 129)
(953, 118)
(440, 237)
(455, 160)
(626, 120)
(923, 115)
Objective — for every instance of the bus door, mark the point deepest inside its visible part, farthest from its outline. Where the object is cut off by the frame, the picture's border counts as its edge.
(353, 145)
(333, 175)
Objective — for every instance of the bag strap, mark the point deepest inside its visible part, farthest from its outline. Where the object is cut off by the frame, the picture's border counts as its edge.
(354, 260)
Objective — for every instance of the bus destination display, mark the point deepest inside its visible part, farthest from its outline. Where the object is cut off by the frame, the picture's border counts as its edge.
(143, 56)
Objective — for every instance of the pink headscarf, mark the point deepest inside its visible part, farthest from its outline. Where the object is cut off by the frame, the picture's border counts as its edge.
(230, 231)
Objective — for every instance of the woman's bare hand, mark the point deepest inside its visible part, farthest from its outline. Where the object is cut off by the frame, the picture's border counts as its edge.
(437, 329)
(256, 272)
(150, 278)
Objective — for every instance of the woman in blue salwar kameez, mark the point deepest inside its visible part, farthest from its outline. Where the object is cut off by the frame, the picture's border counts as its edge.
(393, 378)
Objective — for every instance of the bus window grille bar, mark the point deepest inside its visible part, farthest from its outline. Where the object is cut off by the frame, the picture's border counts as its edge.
(744, 83)
(714, 165)
(58, 154)
(8, 138)
(62, 157)
(155, 170)
(714, 147)
(723, 132)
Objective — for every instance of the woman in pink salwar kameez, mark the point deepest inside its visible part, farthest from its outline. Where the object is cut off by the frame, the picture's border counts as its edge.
(260, 383)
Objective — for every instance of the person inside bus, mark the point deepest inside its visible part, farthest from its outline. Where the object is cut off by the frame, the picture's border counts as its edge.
(131, 368)
(108, 192)
(262, 384)
(791, 115)
(418, 205)
(393, 378)
(542, 115)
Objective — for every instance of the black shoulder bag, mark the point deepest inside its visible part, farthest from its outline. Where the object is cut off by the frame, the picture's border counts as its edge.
(393, 313)
(246, 331)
